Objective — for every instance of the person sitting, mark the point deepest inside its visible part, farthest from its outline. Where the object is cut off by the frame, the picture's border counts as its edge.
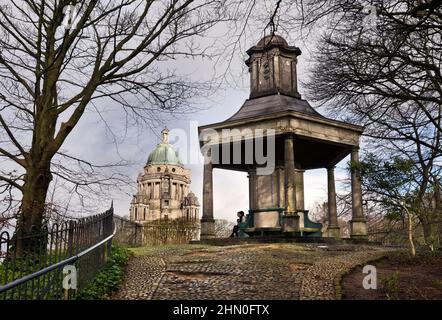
(241, 219)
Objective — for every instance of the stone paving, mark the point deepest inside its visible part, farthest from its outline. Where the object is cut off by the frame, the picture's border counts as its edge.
(143, 275)
(326, 273)
(243, 272)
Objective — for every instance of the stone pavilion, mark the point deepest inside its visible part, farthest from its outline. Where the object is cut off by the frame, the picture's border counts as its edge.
(303, 140)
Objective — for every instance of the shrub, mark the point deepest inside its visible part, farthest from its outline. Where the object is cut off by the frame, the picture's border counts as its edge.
(107, 280)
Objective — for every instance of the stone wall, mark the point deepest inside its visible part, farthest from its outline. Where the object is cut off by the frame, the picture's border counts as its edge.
(155, 232)
(128, 232)
(169, 232)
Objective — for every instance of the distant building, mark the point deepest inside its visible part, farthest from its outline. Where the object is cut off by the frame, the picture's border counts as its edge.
(164, 188)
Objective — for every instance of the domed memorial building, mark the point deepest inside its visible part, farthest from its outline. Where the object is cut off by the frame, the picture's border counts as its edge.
(164, 188)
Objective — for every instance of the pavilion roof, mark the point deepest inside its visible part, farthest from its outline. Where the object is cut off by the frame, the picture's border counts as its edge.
(273, 104)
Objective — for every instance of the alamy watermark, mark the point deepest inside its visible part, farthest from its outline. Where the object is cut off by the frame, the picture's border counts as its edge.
(256, 147)
(70, 277)
(370, 281)
(371, 19)
(71, 14)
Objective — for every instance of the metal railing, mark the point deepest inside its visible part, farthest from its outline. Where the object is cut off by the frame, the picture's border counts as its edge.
(38, 270)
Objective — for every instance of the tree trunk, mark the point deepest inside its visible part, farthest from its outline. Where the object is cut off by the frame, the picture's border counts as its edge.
(410, 235)
(438, 211)
(429, 235)
(38, 171)
(30, 223)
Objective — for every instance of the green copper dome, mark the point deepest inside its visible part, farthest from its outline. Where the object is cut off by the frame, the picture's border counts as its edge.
(164, 153)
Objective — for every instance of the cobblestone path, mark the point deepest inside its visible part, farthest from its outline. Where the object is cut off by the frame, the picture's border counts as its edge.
(142, 276)
(258, 271)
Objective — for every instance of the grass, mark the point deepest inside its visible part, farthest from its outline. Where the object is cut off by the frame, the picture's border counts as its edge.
(391, 285)
(438, 284)
(2, 275)
(22, 267)
(109, 278)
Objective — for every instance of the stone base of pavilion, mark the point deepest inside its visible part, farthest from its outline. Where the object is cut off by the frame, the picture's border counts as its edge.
(283, 239)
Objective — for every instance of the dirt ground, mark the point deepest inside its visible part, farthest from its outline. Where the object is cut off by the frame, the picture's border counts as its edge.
(399, 278)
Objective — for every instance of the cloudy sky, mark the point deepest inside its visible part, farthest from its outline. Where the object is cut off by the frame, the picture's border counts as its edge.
(104, 136)
(94, 141)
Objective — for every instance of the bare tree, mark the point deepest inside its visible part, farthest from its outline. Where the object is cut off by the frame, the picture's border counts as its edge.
(394, 187)
(223, 228)
(378, 64)
(319, 213)
(59, 58)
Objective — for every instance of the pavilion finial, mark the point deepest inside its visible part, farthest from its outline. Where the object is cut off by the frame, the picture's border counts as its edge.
(274, 26)
(272, 65)
(165, 134)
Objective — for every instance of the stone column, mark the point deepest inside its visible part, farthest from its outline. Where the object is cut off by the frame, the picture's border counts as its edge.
(290, 176)
(299, 176)
(333, 228)
(252, 189)
(291, 219)
(358, 223)
(207, 221)
(281, 185)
